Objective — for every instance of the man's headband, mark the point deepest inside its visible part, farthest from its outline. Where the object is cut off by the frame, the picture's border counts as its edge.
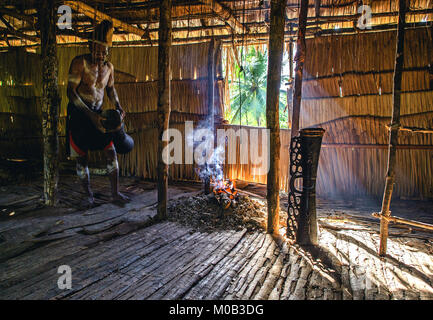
(103, 33)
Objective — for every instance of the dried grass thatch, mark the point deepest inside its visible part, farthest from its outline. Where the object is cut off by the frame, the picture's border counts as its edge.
(354, 154)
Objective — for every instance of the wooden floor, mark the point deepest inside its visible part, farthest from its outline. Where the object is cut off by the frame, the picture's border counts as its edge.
(123, 253)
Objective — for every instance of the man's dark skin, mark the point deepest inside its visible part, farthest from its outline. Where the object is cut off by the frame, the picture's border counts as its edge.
(89, 76)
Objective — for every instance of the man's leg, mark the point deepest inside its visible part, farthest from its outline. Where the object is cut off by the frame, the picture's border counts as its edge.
(113, 174)
(84, 176)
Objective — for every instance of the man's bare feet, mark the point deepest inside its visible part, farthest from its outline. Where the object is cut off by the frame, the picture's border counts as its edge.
(119, 197)
(88, 202)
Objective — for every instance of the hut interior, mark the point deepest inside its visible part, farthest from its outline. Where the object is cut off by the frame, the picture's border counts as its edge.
(246, 225)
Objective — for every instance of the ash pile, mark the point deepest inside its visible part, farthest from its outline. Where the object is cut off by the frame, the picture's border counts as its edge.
(206, 214)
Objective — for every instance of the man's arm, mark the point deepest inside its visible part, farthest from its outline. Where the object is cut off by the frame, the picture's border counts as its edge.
(112, 93)
(74, 79)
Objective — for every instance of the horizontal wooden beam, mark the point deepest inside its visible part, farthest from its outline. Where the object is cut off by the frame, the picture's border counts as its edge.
(403, 221)
(263, 37)
(17, 33)
(364, 95)
(413, 129)
(12, 13)
(293, 22)
(376, 146)
(364, 73)
(99, 16)
(225, 14)
(256, 38)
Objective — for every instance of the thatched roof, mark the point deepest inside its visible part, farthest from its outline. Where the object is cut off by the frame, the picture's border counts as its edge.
(196, 21)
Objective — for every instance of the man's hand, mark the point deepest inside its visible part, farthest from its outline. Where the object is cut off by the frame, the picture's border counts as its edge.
(96, 119)
(122, 113)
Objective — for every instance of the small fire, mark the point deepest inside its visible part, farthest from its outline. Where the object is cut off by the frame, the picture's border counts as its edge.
(225, 192)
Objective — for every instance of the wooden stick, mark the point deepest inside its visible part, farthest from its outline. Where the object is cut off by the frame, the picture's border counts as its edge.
(20, 201)
(376, 146)
(255, 38)
(17, 33)
(276, 45)
(211, 85)
(403, 221)
(299, 59)
(290, 86)
(226, 15)
(50, 100)
(163, 102)
(289, 105)
(99, 16)
(413, 129)
(13, 13)
(395, 124)
(210, 100)
(313, 20)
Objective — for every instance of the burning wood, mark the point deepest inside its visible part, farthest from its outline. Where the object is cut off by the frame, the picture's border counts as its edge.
(225, 192)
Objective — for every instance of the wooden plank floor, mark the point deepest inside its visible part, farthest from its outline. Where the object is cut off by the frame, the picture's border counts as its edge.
(123, 253)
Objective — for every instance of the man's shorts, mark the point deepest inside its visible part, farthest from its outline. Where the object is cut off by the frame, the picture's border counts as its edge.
(83, 135)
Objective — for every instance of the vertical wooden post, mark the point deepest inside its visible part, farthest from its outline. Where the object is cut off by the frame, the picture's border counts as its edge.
(299, 69)
(395, 127)
(289, 103)
(317, 4)
(164, 46)
(210, 99)
(276, 45)
(211, 84)
(50, 99)
(218, 77)
(290, 86)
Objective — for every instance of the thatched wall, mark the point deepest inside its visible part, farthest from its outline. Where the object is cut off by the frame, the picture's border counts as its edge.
(363, 64)
(354, 156)
(136, 84)
(20, 107)
(353, 164)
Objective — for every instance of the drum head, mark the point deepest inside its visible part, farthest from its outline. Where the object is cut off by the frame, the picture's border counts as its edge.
(112, 119)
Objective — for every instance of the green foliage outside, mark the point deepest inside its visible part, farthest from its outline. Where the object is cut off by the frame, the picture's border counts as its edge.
(248, 91)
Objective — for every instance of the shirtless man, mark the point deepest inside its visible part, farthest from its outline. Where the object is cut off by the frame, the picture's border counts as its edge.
(89, 76)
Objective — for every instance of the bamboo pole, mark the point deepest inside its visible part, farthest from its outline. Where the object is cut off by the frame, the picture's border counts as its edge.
(226, 15)
(395, 126)
(255, 38)
(99, 16)
(414, 129)
(276, 45)
(376, 146)
(210, 100)
(313, 20)
(211, 84)
(17, 33)
(299, 59)
(163, 102)
(50, 100)
(403, 221)
(290, 85)
(289, 104)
